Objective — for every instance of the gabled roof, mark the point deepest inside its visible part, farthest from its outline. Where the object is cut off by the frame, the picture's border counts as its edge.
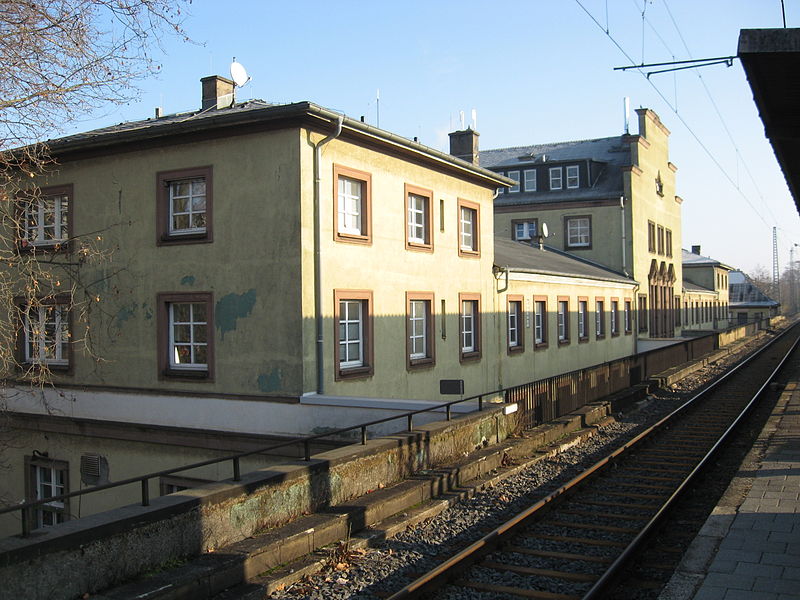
(690, 259)
(688, 286)
(524, 258)
(256, 116)
(609, 155)
(742, 292)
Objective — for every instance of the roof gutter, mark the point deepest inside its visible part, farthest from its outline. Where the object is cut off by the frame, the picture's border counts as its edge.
(318, 255)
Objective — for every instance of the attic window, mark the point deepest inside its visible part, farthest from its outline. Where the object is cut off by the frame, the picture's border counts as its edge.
(659, 185)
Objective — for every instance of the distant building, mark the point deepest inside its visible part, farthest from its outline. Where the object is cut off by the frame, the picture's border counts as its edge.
(705, 292)
(747, 302)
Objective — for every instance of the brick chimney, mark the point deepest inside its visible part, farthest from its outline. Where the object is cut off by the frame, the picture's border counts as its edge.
(464, 145)
(696, 250)
(217, 92)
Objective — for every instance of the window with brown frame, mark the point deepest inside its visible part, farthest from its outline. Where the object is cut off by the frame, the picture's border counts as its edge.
(540, 321)
(524, 229)
(642, 312)
(354, 334)
(419, 218)
(470, 326)
(469, 228)
(352, 211)
(669, 243)
(578, 232)
(45, 334)
(660, 229)
(583, 319)
(184, 206)
(516, 329)
(562, 318)
(45, 218)
(614, 306)
(651, 237)
(599, 318)
(185, 324)
(627, 324)
(420, 329)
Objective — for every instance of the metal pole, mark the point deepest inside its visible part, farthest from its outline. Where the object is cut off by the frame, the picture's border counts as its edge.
(145, 492)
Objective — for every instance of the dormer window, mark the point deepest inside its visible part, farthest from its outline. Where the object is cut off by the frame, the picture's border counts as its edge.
(515, 176)
(530, 180)
(555, 178)
(573, 179)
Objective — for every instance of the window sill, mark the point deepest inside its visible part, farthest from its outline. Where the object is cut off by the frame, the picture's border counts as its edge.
(60, 368)
(540, 346)
(419, 246)
(516, 349)
(421, 363)
(24, 247)
(563, 342)
(352, 238)
(601, 336)
(469, 253)
(583, 340)
(630, 332)
(189, 238)
(187, 374)
(568, 247)
(615, 334)
(470, 356)
(354, 372)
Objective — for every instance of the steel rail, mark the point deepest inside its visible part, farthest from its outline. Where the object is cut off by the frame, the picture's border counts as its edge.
(473, 553)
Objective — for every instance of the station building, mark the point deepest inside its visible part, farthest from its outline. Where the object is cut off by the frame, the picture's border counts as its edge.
(274, 270)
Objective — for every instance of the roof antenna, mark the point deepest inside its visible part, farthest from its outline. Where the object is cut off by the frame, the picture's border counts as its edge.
(627, 103)
(474, 120)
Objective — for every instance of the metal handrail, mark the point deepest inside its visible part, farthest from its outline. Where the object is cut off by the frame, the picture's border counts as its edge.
(306, 441)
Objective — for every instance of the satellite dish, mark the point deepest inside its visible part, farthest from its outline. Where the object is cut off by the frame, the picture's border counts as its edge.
(545, 230)
(238, 73)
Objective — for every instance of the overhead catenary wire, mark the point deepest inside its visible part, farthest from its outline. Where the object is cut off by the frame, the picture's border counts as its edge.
(678, 115)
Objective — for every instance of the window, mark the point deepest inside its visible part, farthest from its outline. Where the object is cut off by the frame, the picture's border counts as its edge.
(578, 232)
(651, 237)
(614, 306)
(46, 217)
(354, 333)
(555, 178)
(184, 206)
(516, 334)
(47, 334)
(642, 316)
(185, 331)
(469, 228)
(627, 316)
(563, 320)
(660, 240)
(583, 326)
(353, 212)
(573, 179)
(600, 318)
(420, 328)
(46, 478)
(530, 180)
(669, 243)
(540, 321)
(515, 176)
(470, 329)
(419, 218)
(524, 230)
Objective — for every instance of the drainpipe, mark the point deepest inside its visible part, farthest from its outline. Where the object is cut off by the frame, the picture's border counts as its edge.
(318, 256)
(624, 242)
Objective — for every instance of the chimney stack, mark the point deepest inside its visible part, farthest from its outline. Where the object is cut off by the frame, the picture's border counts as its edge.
(217, 92)
(696, 250)
(464, 145)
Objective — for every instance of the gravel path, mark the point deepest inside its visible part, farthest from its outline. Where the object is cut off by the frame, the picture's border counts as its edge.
(373, 573)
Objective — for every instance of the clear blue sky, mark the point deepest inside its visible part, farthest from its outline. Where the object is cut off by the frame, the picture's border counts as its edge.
(536, 71)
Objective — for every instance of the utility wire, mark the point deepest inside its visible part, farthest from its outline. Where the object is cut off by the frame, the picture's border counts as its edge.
(677, 114)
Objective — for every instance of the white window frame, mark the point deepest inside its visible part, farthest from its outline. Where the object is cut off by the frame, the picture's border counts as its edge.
(530, 180)
(514, 314)
(418, 207)
(599, 318)
(39, 484)
(515, 176)
(539, 325)
(556, 180)
(563, 308)
(579, 232)
(351, 312)
(573, 177)
(526, 227)
(191, 212)
(418, 318)
(37, 228)
(469, 313)
(46, 338)
(583, 310)
(350, 206)
(468, 218)
(627, 315)
(614, 317)
(192, 343)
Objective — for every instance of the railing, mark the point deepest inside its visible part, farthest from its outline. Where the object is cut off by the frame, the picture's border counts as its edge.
(306, 441)
(539, 401)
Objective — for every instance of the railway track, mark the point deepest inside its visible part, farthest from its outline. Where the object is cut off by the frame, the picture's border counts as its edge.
(573, 543)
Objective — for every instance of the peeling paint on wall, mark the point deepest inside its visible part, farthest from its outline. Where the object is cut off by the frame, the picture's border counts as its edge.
(187, 280)
(125, 313)
(231, 308)
(148, 312)
(271, 382)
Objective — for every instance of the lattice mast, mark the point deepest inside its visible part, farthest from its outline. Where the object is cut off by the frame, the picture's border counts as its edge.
(776, 288)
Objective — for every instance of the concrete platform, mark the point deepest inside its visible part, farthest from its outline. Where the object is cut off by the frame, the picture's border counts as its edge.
(749, 548)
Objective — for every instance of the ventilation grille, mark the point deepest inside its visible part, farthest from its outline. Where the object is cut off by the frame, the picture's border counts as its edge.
(93, 467)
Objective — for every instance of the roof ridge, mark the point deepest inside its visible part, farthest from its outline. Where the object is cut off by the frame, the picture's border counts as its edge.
(554, 143)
